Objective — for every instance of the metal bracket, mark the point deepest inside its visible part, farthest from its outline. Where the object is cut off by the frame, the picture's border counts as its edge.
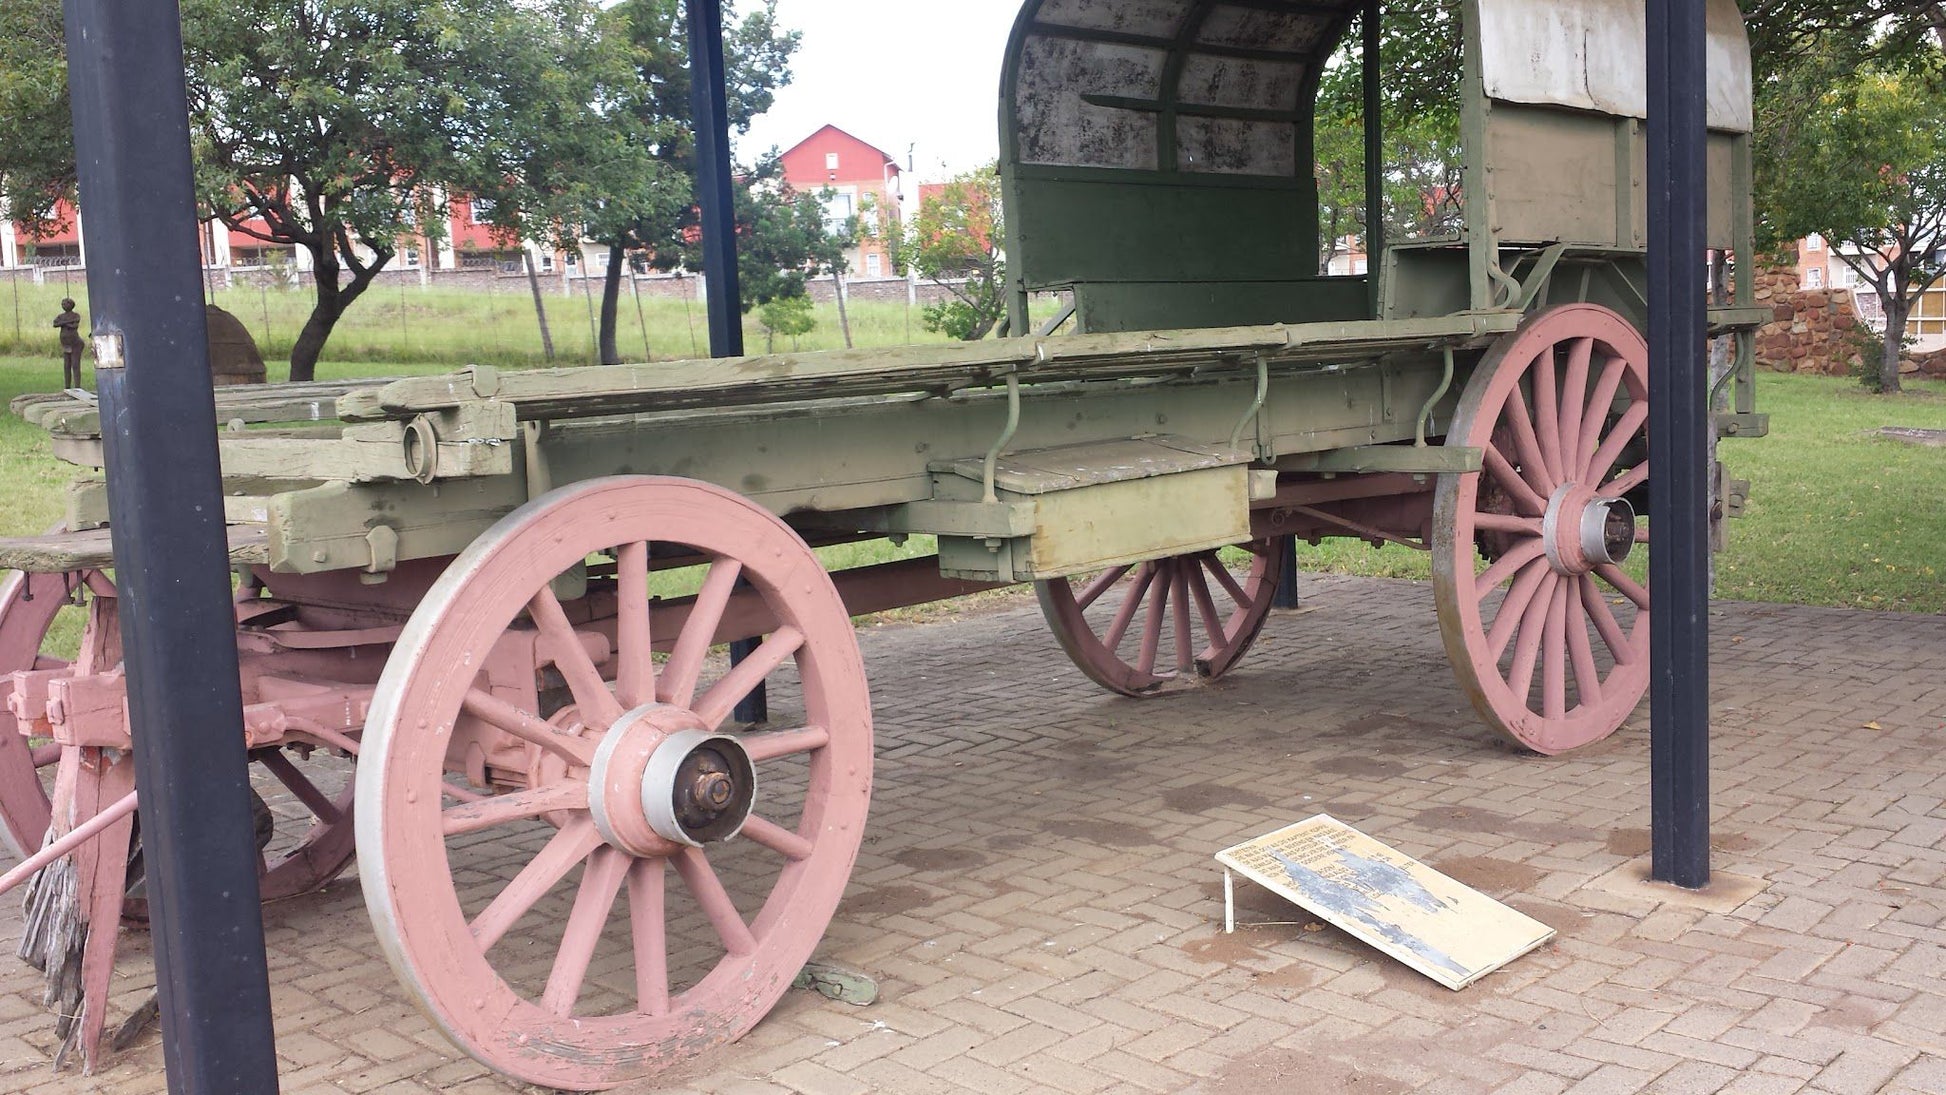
(111, 351)
(1006, 435)
(383, 541)
(1254, 414)
(1425, 412)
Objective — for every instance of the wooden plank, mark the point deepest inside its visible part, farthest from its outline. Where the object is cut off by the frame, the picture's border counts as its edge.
(1421, 459)
(1452, 933)
(784, 378)
(1066, 467)
(250, 404)
(92, 549)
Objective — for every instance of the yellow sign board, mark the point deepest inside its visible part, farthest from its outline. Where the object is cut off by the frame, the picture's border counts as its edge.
(1452, 933)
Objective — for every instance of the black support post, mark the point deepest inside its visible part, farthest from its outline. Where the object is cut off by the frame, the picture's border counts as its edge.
(1678, 450)
(710, 99)
(1374, 63)
(165, 504)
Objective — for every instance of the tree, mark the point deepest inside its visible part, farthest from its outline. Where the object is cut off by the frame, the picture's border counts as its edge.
(956, 243)
(788, 316)
(36, 149)
(659, 213)
(1856, 153)
(332, 126)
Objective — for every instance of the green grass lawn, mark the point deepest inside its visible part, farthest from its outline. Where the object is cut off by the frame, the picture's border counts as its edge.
(453, 327)
(1837, 515)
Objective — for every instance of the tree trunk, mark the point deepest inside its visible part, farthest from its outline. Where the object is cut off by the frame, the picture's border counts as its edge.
(324, 316)
(611, 296)
(1896, 308)
(540, 309)
(844, 316)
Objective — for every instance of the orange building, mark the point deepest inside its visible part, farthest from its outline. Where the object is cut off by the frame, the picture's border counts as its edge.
(864, 181)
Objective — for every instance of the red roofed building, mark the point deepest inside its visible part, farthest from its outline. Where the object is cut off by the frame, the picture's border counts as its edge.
(864, 182)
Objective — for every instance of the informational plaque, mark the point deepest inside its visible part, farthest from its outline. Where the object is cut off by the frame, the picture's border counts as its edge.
(1452, 933)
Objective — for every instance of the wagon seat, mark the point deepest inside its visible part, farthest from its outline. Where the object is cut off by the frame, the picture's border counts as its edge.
(1157, 161)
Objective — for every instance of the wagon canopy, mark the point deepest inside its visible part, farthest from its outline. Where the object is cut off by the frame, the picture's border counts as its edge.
(1167, 144)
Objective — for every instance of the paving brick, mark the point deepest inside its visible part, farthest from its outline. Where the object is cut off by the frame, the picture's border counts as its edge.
(1037, 899)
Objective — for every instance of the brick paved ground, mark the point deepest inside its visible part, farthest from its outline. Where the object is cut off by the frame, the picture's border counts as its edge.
(1037, 898)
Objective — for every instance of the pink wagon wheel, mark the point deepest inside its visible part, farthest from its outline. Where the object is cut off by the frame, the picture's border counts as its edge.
(563, 982)
(28, 606)
(1546, 627)
(1117, 624)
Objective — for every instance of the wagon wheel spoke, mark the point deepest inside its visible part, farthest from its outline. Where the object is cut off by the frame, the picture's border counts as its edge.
(1625, 585)
(723, 696)
(1101, 584)
(1611, 447)
(1536, 471)
(1506, 566)
(1548, 425)
(715, 901)
(1527, 644)
(635, 674)
(1554, 674)
(1125, 614)
(300, 785)
(1152, 621)
(1581, 653)
(573, 843)
(601, 883)
(1595, 602)
(648, 935)
(772, 744)
(1625, 482)
(505, 716)
(1514, 606)
(1507, 522)
(1606, 385)
(1179, 615)
(564, 648)
(1574, 397)
(461, 793)
(1511, 481)
(1213, 628)
(1227, 580)
(777, 838)
(685, 664)
(490, 810)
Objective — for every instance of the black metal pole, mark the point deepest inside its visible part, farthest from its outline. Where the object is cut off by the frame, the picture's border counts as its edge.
(1678, 452)
(165, 504)
(1374, 150)
(1286, 595)
(710, 98)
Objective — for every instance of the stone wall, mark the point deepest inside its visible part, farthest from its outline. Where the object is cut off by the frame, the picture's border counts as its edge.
(1811, 331)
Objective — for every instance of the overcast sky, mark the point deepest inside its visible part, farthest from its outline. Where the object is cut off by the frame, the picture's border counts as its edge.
(895, 73)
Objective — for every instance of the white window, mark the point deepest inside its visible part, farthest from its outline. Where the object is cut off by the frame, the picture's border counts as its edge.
(1814, 242)
(1814, 278)
(831, 161)
(547, 260)
(482, 210)
(874, 265)
(411, 258)
(837, 210)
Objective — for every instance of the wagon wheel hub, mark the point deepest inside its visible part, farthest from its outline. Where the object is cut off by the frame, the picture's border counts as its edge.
(662, 781)
(1582, 530)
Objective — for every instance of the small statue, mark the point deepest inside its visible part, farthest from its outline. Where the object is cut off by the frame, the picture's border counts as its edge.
(69, 321)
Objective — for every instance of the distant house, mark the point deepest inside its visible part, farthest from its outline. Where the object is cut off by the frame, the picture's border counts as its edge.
(1820, 266)
(55, 244)
(863, 180)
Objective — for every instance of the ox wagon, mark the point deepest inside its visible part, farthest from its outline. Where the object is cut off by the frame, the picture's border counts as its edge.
(500, 595)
